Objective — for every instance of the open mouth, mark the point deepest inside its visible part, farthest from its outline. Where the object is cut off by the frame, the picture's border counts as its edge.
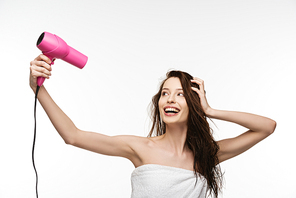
(171, 111)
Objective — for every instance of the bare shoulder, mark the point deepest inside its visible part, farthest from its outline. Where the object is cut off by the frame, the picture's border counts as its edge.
(154, 150)
(142, 147)
(134, 140)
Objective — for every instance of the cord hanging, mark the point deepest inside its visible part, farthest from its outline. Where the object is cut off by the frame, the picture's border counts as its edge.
(34, 139)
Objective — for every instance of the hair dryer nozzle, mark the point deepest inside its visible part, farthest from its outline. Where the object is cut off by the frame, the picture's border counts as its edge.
(40, 39)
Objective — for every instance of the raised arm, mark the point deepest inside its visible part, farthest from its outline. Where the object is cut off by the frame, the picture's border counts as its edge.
(99, 143)
(259, 127)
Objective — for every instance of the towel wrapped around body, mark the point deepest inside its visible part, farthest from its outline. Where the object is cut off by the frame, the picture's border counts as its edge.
(158, 181)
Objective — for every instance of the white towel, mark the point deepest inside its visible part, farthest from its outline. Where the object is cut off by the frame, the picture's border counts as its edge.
(158, 181)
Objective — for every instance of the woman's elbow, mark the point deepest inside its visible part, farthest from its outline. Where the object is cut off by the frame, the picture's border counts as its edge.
(271, 127)
(71, 139)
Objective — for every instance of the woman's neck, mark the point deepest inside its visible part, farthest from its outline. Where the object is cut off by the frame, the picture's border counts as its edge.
(175, 137)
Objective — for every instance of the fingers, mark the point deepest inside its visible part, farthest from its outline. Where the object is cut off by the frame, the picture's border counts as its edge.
(200, 83)
(41, 64)
(37, 71)
(40, 67)
(42, 61)
(42, 57)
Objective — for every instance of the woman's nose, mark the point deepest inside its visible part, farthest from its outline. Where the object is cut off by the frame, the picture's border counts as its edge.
(171, 99)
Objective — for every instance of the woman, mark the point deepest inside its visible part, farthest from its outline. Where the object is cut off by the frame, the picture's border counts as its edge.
(182, 160)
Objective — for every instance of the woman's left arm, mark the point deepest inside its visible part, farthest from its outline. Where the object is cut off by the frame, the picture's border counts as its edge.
(259, 127)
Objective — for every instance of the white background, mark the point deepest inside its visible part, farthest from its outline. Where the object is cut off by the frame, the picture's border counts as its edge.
(243, 50)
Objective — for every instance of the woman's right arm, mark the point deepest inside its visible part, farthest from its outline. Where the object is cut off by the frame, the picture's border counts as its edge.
(99, 143)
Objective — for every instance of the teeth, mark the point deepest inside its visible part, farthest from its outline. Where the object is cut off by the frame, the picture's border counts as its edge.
(172, 109)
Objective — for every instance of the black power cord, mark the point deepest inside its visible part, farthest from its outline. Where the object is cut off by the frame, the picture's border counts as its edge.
(33, 148)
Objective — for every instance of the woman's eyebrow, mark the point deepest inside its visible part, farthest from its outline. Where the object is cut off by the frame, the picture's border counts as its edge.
(169, 89)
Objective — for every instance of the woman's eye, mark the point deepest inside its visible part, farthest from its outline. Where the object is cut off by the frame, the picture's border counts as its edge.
(164, 93)
(180, 94)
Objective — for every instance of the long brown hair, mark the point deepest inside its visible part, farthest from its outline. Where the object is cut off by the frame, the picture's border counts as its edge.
(199, 134)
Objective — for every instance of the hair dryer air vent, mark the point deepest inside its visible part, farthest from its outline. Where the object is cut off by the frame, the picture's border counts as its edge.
(40, 38)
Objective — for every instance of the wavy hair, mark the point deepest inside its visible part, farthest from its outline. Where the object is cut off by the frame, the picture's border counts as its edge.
(199, 134)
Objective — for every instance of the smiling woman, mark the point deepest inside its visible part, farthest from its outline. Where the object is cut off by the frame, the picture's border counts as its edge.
(176, 93)
(182, 159)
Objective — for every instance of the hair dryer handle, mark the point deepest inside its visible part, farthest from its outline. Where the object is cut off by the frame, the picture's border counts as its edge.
(40, 79)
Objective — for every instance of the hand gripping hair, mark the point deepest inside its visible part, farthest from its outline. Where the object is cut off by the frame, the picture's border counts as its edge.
(56, 48)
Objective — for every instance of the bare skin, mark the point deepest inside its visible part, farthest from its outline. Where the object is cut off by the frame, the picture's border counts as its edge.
(168, 149)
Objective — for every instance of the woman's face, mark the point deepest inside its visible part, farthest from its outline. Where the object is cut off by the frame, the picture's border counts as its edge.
(172, 104)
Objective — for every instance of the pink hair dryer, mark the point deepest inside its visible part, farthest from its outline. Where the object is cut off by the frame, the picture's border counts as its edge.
(54, 47)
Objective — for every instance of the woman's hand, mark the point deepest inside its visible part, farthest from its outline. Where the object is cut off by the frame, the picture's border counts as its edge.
(259, 127)
(39, 68)
(202, 95)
